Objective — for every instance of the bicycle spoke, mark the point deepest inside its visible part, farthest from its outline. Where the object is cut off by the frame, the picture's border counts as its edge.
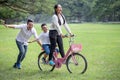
(76, 63)
(44, 66)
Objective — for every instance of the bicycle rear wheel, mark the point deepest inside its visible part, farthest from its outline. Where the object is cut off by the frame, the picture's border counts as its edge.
(42, 65)
(76, 63)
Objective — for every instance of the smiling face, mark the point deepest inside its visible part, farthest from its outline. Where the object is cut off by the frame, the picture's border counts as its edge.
(44, 28)
(58, 9)
(29, 25)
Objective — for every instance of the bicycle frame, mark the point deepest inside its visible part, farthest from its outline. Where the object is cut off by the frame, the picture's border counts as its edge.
(73, 48)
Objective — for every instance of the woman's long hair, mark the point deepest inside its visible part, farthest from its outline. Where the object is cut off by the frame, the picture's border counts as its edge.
(55, 7)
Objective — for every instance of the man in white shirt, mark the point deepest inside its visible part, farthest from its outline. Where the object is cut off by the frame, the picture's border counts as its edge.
(26, 31)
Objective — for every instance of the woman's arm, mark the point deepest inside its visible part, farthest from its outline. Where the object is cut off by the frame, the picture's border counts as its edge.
(67, 28)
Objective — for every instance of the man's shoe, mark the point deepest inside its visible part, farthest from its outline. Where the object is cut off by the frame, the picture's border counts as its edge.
(15, 66)
(18, 66)
(51, 63)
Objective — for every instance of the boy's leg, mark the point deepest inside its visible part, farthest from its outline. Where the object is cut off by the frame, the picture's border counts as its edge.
(46, 49)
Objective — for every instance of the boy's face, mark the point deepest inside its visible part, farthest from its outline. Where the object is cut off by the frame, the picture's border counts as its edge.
(44, 28)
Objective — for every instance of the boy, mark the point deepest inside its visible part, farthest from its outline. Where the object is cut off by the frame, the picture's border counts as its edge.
(45, 42)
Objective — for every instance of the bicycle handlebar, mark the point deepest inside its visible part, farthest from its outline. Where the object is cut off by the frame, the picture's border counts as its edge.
(68, 36)
(71, 38)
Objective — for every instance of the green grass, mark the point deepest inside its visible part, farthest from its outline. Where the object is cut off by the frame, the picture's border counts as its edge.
(101, 47)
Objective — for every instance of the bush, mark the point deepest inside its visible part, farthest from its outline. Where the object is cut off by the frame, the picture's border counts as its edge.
(2, 21)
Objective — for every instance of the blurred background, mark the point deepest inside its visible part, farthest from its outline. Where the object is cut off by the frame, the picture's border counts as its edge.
(75, 11)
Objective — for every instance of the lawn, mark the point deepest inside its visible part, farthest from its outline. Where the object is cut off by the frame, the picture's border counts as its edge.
(101, 47)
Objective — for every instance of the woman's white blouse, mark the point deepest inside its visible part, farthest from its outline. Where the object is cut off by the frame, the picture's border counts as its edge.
(55, 25)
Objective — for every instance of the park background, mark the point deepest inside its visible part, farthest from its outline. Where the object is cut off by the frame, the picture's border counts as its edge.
(96, 24)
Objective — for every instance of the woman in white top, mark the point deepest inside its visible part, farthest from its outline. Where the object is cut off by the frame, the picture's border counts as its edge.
(26, 31)
(55, 32)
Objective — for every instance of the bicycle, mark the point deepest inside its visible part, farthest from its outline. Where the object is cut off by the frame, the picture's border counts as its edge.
(75, 62)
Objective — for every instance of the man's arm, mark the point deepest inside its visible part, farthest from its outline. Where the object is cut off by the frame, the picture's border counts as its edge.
(35, 41)
(9, 26)
(39, 43)
(36, 37)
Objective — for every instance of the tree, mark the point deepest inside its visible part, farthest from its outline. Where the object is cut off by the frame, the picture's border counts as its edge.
(107, 10)
(21, 8)
(76, 9)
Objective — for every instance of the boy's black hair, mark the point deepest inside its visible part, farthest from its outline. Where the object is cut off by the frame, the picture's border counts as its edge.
(29, 20)
(43, 24)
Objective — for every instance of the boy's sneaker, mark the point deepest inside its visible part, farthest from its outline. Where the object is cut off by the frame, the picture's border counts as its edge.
(51, 63)
(43, 60)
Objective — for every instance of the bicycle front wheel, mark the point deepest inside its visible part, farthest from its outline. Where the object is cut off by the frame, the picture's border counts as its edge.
(42, 65)
(76, 63)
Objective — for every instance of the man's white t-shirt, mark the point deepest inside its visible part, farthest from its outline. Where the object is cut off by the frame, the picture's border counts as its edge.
(44, 37)
(24, 33)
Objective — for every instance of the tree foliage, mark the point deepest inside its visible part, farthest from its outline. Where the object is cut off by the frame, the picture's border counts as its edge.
(17, 9)
(77, 10)
(107, 10)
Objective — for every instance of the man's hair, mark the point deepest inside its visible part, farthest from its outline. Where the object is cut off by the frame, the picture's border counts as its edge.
(43, 25)
(29, 20)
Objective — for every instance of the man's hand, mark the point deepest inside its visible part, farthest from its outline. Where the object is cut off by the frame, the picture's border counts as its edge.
(5, 25)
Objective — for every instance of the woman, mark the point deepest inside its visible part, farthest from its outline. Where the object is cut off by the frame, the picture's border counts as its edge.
(55, 33)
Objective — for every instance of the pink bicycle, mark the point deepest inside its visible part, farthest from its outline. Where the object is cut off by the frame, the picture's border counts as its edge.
(75, 62)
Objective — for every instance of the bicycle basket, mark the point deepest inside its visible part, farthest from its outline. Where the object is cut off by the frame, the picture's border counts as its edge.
(76, 47)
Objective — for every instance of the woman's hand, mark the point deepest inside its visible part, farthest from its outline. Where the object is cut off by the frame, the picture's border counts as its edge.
(72, 35)
(63, 36)
(29, 41)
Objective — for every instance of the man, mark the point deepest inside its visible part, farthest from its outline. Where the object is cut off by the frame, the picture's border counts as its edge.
(26, 31)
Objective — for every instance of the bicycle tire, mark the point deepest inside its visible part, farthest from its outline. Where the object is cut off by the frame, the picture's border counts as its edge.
(44, 66)
(79, 67)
